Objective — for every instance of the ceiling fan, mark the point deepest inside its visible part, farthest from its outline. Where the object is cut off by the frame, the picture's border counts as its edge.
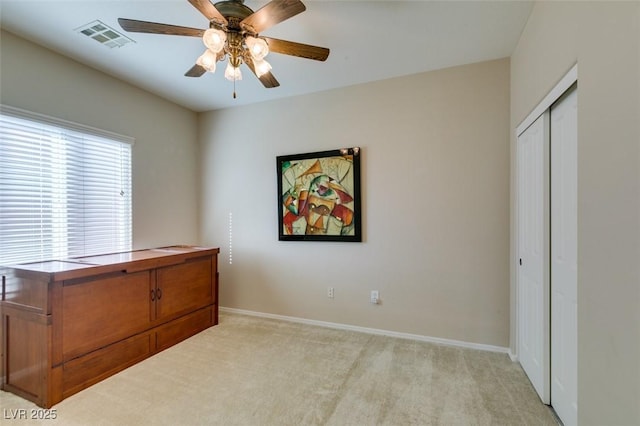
(234, 32)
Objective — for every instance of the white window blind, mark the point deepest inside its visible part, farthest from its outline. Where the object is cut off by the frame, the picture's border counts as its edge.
(65, 190)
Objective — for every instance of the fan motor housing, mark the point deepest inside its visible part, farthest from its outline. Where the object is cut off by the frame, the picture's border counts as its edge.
(233, 9)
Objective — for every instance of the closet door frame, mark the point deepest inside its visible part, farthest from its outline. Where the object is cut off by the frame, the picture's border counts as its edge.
(569, 79)
(556, 93)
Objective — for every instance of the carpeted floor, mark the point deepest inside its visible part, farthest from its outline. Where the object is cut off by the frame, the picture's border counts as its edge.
(253, 371)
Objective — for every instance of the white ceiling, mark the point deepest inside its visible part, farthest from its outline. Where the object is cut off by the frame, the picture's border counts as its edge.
(369, 41)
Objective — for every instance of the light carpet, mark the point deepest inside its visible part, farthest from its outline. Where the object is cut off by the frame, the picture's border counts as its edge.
(255, 371)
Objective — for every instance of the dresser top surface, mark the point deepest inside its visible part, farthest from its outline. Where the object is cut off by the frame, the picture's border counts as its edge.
(124, 259)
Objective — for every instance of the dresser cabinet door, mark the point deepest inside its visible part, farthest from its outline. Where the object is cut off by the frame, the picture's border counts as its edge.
(97, 312)
(184, 288)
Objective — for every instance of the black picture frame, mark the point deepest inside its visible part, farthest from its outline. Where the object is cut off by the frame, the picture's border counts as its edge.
(319, 196)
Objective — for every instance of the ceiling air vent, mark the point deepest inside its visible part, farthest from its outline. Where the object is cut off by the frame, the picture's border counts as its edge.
(104, 34)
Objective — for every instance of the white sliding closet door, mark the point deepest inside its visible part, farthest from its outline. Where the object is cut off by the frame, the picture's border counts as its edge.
(533, 253)
(564, 272)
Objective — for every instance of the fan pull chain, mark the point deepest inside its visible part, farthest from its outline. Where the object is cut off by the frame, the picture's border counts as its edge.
(234, 88)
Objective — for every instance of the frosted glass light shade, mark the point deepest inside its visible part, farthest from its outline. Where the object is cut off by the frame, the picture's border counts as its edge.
(207, 61)
(214, 39)
(257, 47)
(262, 67)
(232, 73)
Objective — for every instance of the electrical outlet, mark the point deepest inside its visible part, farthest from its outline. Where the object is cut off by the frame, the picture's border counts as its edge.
(330, 292)
(375, 296)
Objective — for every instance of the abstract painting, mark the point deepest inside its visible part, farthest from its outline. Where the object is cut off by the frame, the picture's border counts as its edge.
(319, 196)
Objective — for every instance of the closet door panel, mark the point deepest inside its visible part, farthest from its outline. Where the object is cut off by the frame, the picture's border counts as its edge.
(533, 251)
(564, 264)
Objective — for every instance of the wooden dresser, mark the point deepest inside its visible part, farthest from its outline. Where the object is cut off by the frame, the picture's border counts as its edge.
(67, 324)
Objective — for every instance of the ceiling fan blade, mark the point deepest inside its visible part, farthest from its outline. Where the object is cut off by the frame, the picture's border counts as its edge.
(154, 28)
(297, 49)
(271, 14)
(209, 11)
(195, 71)
(267, 79)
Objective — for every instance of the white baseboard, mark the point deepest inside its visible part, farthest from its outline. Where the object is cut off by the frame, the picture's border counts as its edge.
(389, 333)
(514, 357)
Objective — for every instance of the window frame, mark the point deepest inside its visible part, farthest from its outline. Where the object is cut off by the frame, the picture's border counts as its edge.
(74, 133)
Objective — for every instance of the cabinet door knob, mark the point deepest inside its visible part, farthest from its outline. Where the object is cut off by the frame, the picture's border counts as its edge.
(153, 295)
(159, 294)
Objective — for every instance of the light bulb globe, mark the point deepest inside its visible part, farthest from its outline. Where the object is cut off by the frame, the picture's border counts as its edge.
(207, 61)
(262, 67)
(214, 39)
(258, 47)
(232, 73)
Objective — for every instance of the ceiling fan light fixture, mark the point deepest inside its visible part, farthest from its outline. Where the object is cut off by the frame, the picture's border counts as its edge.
(262, 67)
(232, 73)
(233, 33)
(258, 48)
(208, 61)
(214, 39)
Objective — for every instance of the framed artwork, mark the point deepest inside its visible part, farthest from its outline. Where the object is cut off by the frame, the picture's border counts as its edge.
(319, 196)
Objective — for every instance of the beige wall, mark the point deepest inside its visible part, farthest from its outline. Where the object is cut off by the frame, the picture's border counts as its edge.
(435, 192)
(435, 172)
(604, 39)
(165, 177)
